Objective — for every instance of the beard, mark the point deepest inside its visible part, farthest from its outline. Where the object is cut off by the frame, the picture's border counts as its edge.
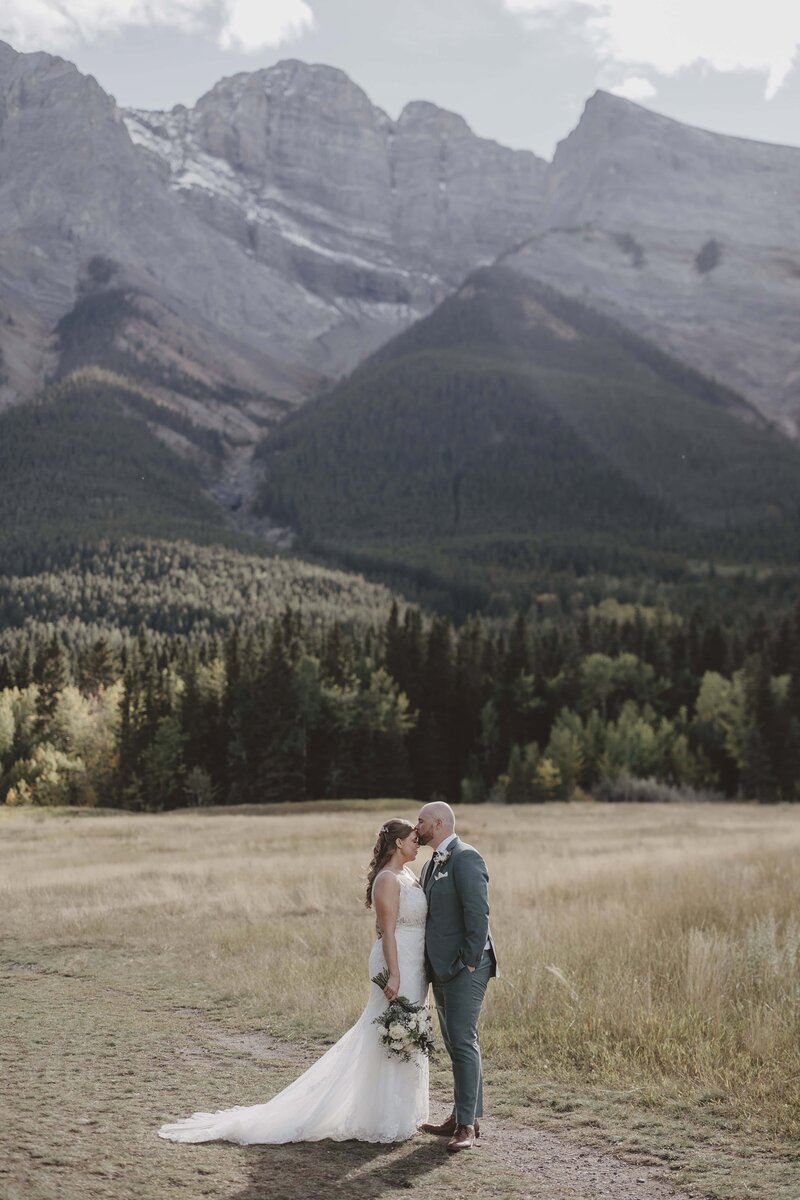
(424, 838)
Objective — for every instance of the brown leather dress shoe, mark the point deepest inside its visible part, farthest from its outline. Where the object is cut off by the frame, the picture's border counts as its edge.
(462, 1139)
(447, 1128)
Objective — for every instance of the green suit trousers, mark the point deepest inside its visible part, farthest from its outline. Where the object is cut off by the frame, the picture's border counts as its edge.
(458, 1004)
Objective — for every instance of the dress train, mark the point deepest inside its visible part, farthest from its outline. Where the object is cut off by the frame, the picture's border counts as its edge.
(354, 1090)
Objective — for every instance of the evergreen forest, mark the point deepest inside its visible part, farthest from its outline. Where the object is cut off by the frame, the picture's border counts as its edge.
(616, 702)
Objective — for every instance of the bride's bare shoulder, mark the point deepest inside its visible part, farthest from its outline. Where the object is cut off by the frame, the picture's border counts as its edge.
(380, 880)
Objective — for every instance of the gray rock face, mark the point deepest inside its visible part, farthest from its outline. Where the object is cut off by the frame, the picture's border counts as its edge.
(449, 185)
(270, 219)
(308, 139)
(73, 187)
(377, 220)
(307, 133)
(285, 227)
(690, 238)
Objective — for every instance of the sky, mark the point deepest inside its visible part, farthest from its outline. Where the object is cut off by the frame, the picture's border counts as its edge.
(519, 71)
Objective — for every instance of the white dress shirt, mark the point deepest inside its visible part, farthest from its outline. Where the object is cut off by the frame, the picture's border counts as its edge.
(444, 844)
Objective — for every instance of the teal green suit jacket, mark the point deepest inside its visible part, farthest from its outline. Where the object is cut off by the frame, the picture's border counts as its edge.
(458, 912)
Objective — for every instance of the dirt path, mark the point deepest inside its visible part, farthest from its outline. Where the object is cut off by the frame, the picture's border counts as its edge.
(90, 1071)
(551, 1166)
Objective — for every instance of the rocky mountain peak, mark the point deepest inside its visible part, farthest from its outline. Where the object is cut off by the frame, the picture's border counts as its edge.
(605, 106)
(313, 83)
(421, 114)
(284, 217)
(11, 59)
(306, 130)
(689, 237)
(356, 202)
(623, 161)
(39, 81)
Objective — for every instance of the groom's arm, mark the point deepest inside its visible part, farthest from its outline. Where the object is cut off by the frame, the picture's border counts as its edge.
(471, 880)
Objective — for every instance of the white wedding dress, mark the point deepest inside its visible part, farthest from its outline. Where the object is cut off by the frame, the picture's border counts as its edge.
(355, 1090)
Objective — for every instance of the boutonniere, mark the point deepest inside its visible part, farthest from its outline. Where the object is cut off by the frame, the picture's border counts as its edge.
(439, 859)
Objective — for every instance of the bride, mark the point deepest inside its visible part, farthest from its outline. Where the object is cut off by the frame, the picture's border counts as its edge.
(355, 1090)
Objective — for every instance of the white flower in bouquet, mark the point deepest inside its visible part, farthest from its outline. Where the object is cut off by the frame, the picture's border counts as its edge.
(406, 1026)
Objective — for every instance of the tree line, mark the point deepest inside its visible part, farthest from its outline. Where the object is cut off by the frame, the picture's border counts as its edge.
(617, 701)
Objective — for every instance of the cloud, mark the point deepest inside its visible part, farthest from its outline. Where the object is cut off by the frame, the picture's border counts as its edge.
(668, 35)
(234, 24)
(635, 87)
(251, 24)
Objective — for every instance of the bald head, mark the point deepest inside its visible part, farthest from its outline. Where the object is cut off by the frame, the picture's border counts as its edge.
(437, 810)
(436, 821)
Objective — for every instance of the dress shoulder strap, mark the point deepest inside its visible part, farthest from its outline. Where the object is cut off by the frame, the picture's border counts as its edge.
(385, 871)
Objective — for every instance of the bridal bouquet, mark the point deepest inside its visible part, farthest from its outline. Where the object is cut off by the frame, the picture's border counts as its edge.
(406, 1026)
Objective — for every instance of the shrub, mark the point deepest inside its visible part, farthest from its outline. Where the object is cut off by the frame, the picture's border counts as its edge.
(627, 789)
(199, 787)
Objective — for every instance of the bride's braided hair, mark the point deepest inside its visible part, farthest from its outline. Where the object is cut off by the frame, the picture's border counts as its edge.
(384, 848)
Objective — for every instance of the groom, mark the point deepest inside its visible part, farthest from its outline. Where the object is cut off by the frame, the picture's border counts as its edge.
(460, 957)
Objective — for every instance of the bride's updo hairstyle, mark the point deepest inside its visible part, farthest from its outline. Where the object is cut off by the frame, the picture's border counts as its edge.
(385, 848)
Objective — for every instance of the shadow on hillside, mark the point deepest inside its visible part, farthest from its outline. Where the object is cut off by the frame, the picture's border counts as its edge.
(346, 1170)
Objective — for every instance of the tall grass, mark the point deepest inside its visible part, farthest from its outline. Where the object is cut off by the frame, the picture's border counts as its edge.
(654, 948)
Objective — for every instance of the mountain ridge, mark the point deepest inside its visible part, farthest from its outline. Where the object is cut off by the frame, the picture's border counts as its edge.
(298, 226)
(610, 99)
(685, 236)
(259, 261)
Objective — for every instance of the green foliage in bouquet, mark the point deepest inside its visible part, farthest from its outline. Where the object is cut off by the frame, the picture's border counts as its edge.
(406, 1026)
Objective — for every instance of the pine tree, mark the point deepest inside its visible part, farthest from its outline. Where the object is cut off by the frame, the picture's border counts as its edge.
(50, 672)
(394, 645)
(273, 735)
(23, 675)
(97, 668)
(759, 771)
(432, 748)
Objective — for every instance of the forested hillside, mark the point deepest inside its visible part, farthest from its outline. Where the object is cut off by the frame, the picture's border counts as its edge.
(513, 432)
(81, 463)
(112, 588)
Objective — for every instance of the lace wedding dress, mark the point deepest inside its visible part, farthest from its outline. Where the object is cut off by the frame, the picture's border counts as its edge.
(355, 1090)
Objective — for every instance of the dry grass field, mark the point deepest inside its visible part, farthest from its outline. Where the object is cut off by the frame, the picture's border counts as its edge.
(153, 965)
